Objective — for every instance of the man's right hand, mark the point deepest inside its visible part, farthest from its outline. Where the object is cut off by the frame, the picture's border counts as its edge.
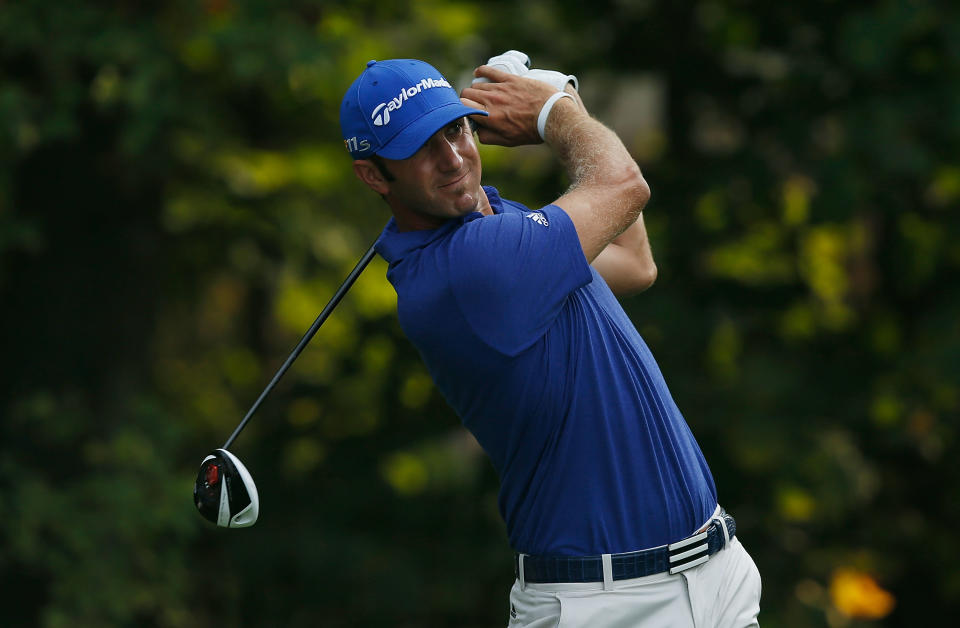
(514, 103)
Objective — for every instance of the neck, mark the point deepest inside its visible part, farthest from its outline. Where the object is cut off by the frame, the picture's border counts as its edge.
(412, 220)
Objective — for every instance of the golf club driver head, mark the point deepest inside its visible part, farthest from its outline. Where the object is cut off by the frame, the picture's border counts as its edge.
(225, 493)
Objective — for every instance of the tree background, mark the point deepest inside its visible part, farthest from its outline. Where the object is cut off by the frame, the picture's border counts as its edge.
(176, 206)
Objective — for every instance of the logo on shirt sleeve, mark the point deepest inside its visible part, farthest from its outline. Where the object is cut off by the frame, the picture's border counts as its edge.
(538, 218)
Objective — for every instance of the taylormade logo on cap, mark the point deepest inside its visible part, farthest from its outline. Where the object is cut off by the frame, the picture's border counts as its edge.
(383, 119)
(394, 106)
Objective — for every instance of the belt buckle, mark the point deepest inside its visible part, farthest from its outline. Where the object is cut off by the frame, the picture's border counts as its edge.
(690, 546)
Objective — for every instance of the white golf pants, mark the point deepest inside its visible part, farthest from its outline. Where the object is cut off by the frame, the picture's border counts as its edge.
(723, 592)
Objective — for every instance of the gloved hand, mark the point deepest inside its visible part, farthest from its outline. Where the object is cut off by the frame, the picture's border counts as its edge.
(554, 78)
(518, 63)
(512, 61)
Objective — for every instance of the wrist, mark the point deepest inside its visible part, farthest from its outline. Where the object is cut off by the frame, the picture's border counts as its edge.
(547, 108)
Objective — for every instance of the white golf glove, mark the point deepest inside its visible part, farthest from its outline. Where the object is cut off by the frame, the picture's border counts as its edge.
(554, 78)
(518, 63)
(512, 61)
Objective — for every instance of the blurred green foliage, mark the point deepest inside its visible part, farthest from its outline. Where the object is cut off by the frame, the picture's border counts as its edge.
(176, 207)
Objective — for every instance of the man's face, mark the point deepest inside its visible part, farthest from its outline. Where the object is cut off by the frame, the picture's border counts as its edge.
(438, 182)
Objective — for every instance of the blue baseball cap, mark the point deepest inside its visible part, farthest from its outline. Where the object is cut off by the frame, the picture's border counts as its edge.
(394, 107)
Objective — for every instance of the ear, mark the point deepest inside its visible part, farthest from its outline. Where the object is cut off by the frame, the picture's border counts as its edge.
(368, 172)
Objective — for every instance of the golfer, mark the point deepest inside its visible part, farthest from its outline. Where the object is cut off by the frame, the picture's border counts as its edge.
(608, 501)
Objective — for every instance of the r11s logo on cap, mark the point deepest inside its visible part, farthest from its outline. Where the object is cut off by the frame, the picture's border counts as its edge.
(354, 146)
(383, 119)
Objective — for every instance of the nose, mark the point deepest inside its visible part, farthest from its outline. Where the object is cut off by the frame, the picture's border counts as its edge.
(448, 155)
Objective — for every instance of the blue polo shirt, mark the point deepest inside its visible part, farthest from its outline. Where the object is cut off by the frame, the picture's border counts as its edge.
(537, 357)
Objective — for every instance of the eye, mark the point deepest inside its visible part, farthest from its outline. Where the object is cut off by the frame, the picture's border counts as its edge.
(455, 128)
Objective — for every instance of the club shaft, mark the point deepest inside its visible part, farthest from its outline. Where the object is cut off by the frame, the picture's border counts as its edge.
(334, 300)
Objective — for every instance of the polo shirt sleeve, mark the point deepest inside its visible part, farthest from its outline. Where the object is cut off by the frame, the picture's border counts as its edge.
(511, 274)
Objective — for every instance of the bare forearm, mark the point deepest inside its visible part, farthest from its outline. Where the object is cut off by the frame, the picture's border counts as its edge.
(591, 154)
(627, 263)
(607, 191)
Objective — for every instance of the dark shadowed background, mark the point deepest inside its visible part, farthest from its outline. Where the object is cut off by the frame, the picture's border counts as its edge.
(176, 206)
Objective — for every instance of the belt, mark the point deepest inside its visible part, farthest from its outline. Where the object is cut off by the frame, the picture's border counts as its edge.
(675, 557)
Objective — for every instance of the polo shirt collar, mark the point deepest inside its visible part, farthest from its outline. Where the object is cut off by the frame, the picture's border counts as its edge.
(394, 245)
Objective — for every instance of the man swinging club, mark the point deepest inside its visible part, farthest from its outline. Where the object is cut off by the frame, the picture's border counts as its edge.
(607, 498)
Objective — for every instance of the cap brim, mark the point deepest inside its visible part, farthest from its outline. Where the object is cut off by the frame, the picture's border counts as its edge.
(409, 140)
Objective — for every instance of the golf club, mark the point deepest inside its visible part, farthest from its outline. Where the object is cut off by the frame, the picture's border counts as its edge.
(225, 493)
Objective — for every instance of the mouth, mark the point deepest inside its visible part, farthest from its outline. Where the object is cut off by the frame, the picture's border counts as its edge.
(455, 181)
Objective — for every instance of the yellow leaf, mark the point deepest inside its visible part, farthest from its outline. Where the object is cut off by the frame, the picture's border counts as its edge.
(406, 473)
(796, 504)
(416, 390)
(796, 200)
(857, 595)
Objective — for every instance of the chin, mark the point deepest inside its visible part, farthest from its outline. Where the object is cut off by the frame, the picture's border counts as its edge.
(464, 210)
(466, 202)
